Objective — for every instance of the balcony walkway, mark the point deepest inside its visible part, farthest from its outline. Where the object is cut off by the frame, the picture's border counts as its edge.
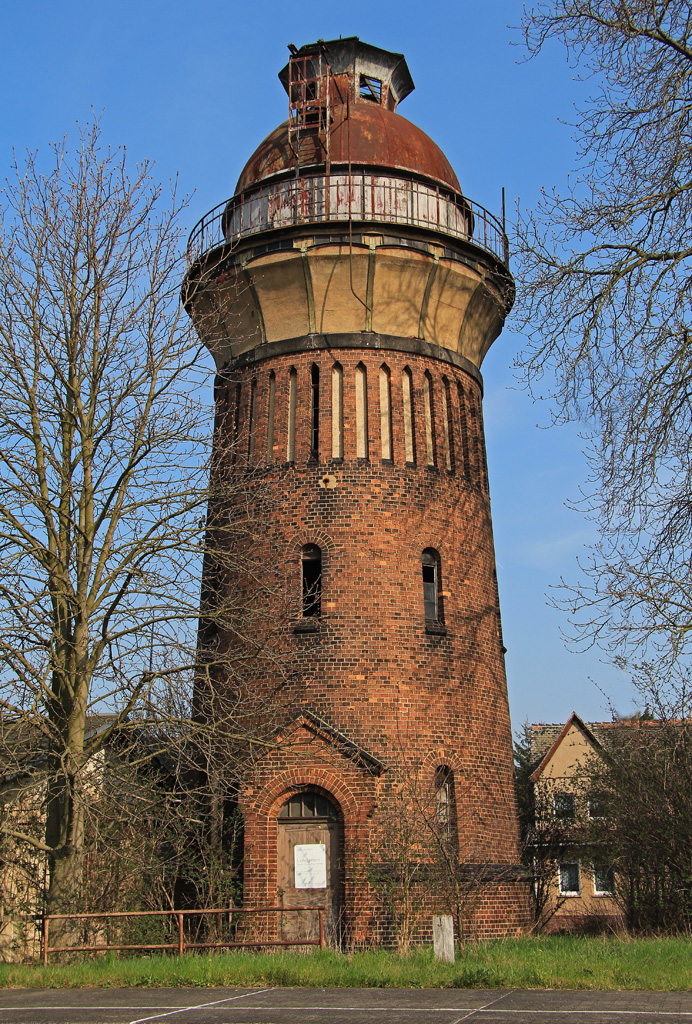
(363, 198)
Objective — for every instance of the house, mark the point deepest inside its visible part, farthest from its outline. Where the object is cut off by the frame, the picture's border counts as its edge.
(574, 882)
(23, 867)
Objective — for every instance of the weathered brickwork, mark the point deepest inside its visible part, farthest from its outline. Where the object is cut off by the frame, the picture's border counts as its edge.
(371, 668)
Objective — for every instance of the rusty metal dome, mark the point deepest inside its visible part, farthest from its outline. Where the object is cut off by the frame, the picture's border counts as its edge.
(366, 135)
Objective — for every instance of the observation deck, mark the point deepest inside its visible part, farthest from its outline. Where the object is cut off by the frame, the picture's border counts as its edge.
(362, 197)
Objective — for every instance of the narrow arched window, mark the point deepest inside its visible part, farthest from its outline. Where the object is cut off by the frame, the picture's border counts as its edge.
(361, 412)
(337, 411)
(251, 421)
(292, 395)
(445, 808)
(311, 572)
(463, 429)
(447, 424)
(431, 585)
(429, 418)
(271, 398)
(385, 413)
(481, 445)
(314, 411)
(407, 397)
(478, 442)
(236, 425)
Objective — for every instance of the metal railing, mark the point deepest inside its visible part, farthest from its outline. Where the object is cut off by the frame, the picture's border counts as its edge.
(360, 198)
(182, 943)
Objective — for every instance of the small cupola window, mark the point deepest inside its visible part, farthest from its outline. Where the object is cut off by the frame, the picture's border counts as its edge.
(370, 89)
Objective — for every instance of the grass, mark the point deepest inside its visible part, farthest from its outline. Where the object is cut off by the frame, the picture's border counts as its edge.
(572, 962)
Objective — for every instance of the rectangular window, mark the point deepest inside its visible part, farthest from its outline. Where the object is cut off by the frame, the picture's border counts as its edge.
(603, 880)
(370, 89)
(563, 806)
(569, 879)
(430, 586)
(311, 563)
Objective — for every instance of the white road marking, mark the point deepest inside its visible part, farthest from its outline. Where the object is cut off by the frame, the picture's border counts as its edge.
(201, 1006)
(468, 1011)
(608, 1013)
(485, 1007)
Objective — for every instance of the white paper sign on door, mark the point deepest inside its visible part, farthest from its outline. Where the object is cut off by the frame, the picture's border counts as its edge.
(311, 865)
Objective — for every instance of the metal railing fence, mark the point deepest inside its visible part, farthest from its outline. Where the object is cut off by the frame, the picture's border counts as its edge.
(182, 943)
(363, 197)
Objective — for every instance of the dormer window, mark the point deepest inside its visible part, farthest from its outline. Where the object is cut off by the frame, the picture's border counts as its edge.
(371, 89)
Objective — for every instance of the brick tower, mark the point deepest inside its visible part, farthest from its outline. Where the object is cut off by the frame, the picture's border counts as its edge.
(348, 292)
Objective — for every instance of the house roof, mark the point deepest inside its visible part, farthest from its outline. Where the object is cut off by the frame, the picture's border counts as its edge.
(546, 737)
(24, 746)
(549, 737)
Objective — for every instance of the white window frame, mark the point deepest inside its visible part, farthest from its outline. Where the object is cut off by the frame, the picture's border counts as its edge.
(600, 892)
(569, 892)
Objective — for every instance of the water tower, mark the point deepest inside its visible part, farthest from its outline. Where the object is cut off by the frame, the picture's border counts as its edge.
(349, 292)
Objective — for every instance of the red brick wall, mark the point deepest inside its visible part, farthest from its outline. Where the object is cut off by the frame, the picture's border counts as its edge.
(371, 669)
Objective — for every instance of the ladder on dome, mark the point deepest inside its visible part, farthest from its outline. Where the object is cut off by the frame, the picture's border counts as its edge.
(309, 102)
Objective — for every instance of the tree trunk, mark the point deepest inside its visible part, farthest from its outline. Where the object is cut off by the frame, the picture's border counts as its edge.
(65, 837)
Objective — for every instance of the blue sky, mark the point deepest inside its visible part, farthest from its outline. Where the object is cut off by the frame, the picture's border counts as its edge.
(194, 87)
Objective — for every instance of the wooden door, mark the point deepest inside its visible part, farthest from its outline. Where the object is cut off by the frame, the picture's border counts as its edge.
(311, 875)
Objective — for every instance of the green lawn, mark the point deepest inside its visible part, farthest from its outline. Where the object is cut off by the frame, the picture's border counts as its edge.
(544, 962)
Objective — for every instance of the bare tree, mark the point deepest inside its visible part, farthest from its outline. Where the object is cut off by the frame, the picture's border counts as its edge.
(642, 833)
(546, 838)
(604, 297)
(397, 867)
(104, 490)
(420, 860)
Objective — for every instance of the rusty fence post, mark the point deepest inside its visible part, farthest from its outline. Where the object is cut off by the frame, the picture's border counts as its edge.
(44, 932)
(321, 914)
(181, 941)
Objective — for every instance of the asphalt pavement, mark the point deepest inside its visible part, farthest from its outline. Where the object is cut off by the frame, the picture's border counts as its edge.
(339, 1006)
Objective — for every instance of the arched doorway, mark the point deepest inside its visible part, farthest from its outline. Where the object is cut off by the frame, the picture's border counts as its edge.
(309, 858)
